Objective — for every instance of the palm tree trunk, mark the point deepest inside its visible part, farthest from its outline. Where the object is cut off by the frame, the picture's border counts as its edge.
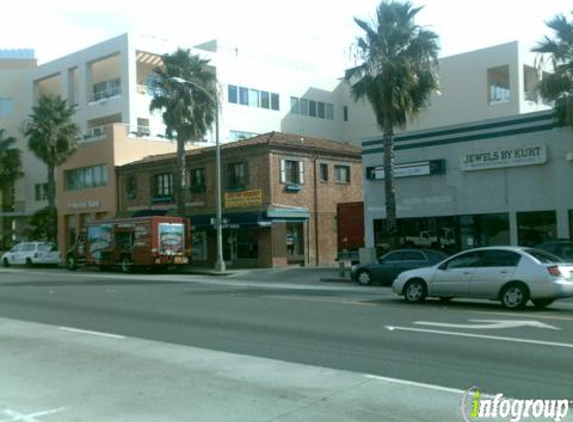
(52, 212)
(389, 188)
(180, 178)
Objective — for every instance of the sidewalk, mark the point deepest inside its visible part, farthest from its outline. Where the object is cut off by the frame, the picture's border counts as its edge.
(293, 274)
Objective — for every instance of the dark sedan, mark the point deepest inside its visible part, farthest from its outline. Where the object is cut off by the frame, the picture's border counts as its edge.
(393, 263)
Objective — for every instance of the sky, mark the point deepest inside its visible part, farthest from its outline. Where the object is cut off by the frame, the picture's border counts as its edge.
(315, 29)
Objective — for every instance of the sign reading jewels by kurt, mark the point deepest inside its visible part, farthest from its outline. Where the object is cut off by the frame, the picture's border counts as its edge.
(247, 198)
(506, 157)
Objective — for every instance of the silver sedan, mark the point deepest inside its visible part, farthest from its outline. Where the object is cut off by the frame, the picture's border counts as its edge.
(513, 275)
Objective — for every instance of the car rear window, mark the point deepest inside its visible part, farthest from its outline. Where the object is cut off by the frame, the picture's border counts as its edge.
(543, 256)
(46, 247)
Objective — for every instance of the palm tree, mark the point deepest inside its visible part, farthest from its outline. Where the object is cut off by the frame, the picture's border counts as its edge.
(558, 86)
(397, 76)
(52, 138)
(187, 112)
(10, 171)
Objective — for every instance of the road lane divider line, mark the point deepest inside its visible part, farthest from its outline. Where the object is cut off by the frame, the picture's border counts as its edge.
(93, 333)
(536, 316)
(481, 336)
(308, 299)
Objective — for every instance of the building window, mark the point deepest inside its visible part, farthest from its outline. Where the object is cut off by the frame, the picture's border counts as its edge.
(321, 110)
(342, 174)
(237, 135)
(232, 93)
(243, 96)
(163, 186)
(292, 172)
(131, 187)
(275, 101)
(345, 113)
(237, 175)
(107, 89)
(41, 191)
(312, 108)
(85, 178)
(324, 172)
(498, 84)
(294, 105)
(253, 97)
(329, 111)
(198, 182)
(265, 99)
(6, 106)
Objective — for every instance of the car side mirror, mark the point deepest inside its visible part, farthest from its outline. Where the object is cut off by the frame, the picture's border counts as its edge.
(443, 267)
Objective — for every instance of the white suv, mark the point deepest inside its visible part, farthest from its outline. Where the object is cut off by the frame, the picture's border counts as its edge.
(30, 253)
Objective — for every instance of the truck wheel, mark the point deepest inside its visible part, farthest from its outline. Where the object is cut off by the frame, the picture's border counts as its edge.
(71, 264)
(28, 262)
(125, 264)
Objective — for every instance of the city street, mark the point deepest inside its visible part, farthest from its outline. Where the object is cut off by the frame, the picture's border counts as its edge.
(346, 352)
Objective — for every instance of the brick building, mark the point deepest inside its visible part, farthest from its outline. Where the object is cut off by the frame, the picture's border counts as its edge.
(279, 197)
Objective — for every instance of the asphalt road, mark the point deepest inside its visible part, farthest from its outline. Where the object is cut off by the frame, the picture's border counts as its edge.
(526, 354)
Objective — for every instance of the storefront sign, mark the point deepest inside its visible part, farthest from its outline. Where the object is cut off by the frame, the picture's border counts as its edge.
(84, 204)
(507, 157)
(247, 198)
(419, 168)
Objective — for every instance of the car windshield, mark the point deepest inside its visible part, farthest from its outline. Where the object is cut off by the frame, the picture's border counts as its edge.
(46, 247)
(543, 256)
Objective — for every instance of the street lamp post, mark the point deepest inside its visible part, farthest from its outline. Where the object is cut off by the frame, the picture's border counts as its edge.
(219, 262)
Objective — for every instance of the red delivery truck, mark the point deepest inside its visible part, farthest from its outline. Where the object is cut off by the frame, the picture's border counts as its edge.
(154, 241)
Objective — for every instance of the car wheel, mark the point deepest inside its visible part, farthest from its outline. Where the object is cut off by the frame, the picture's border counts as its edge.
(364, 278)
(514, 296)
(5, 262)
(28, 262)
(71, 264)
(542, 303)
(125, 264)
(415, 291)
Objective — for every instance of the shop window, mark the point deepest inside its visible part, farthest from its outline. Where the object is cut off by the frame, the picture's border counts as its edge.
(295, 240)
(247, 244)
(536, 227)
(199, 246)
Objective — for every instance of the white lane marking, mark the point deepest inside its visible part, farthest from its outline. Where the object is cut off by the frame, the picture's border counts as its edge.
(17, 416)
(485, 324)
(93, 333)
(415, 384)
(521, 315)
(483, 336)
